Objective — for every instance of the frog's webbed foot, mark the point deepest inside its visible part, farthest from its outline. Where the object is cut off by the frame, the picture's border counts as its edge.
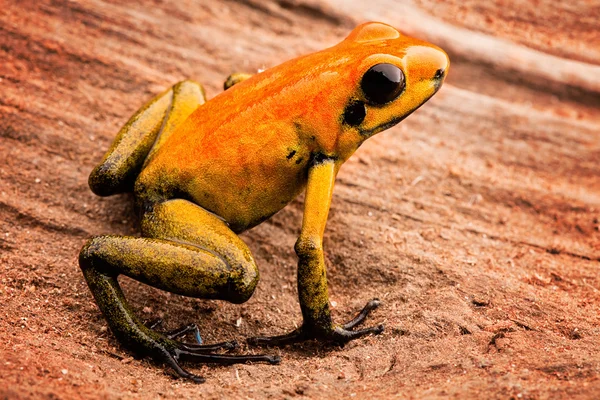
(337, 334)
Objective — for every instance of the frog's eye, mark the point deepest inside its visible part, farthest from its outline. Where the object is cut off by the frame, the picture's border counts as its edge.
(382, 83)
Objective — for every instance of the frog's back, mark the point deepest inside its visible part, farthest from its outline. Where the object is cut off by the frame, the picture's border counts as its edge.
(244, 154)
(239, 158)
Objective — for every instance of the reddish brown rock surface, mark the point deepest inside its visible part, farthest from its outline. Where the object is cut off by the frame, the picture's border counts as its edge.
(476, 221)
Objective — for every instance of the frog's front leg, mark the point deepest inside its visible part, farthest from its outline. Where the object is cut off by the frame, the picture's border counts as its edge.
(185, 250)
(312, 279)
(235, 78)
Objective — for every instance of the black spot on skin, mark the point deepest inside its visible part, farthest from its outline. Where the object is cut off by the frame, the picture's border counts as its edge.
(355, 113)
(292, 153)
(298, 161)
(319, 158)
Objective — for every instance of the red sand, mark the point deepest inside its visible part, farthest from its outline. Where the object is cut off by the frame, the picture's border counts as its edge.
(476, 220)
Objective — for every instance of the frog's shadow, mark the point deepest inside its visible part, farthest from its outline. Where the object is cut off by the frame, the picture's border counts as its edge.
(118, 213)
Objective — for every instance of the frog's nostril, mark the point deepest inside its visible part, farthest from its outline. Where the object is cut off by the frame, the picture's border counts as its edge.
(439, 74)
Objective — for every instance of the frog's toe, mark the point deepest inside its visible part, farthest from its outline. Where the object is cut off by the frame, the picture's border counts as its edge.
(363, 314)
(338, 335)
(199, 346)
(183, 330)
(172, 352)
(342, 336)
(172, 362)
(176, 333)
(345, 333)
(187, 353)
(206, 348)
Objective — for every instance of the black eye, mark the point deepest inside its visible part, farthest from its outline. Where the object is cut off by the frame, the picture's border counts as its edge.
(382, 83)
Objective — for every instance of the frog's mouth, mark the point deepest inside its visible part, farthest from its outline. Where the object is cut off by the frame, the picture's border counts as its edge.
(367, 133)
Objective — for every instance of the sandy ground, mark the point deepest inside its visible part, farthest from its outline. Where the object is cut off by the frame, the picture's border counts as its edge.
(476, 220)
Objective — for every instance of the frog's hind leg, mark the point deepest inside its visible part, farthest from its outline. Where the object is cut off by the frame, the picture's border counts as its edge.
(142, 135)
(186, 250)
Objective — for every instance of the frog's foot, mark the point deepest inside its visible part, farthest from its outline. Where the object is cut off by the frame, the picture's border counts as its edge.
(337, 334)
(164, 347)
(201, 354)
(172, 352)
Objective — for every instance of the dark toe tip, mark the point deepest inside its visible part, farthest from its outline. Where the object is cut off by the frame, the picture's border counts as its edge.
(375, 302)
(197, 379)
(275, 360)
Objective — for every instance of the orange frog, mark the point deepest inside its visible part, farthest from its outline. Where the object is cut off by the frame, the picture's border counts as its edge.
(204, 171)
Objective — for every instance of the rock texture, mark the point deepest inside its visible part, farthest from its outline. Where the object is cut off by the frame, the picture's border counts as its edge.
(476, 220)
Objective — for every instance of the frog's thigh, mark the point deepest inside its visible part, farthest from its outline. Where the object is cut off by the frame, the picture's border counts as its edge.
(181, 221)
(186, 250)
(142, 135)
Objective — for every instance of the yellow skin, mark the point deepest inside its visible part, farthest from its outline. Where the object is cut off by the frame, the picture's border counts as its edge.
(201, 172)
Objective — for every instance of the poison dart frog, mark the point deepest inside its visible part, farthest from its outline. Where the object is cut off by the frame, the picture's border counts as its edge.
(203, 171)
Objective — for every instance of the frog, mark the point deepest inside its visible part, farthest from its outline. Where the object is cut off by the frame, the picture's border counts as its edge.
(203, 171)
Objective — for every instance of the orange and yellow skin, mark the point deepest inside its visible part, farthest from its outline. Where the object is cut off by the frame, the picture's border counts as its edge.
(203, 171)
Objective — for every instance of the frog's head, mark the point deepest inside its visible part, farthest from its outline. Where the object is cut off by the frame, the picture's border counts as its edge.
(387, 76)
